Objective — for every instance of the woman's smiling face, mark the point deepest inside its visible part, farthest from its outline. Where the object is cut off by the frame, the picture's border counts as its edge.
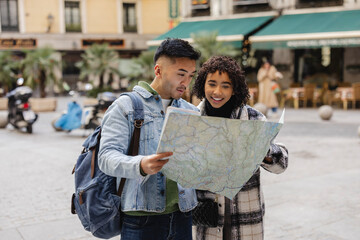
(218, 89)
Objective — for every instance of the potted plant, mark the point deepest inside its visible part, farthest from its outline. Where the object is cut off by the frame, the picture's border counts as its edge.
(98, 61)
(42, 67)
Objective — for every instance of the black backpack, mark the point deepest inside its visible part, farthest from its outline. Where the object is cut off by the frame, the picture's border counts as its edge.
(96, 200)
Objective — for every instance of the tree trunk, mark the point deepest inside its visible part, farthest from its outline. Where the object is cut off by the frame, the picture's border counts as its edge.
(101, 82)
(42, 84)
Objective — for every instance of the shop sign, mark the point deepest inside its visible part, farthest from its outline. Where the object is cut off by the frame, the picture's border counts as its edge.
(11, 43)
(310, 43)
(339, 42)
(173, 9)
(113, 43)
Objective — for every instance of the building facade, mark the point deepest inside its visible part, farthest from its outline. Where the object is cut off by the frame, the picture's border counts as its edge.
(70, 26)
(308, 39)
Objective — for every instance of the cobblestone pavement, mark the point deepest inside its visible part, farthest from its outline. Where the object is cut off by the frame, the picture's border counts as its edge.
(316, 198)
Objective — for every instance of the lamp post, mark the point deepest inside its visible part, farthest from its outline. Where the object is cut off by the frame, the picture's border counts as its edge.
(50, 20)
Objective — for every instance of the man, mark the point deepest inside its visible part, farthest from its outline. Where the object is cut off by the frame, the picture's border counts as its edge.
(157, 208)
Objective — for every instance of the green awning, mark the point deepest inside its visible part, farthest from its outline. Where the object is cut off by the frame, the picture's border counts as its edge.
(310, 30)
(230, 30)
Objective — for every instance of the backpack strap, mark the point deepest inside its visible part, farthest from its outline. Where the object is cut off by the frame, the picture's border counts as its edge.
(138, 122)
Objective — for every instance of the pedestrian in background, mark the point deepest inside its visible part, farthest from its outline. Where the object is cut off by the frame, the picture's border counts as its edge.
(157, 208)
(268, 86)
(221, 86)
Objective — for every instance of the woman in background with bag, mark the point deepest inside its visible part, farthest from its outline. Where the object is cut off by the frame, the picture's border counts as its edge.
(268, 87)
(221, 86)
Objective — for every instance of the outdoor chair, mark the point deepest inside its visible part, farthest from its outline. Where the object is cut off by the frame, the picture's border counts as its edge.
(253, 91)
(308, 95)
(346, 95)
(344, 84)
(355, 94)
(322, 96)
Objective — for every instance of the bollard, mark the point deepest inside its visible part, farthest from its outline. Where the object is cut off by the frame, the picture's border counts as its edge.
(325, 112)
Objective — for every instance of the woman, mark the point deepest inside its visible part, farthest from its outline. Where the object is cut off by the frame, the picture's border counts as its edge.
(266, 76)
(221, 84)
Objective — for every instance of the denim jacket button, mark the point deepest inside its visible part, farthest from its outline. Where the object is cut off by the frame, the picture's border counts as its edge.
(162, 112)
(162, 192)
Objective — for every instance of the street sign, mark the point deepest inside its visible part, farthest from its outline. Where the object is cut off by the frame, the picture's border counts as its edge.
(173, 9)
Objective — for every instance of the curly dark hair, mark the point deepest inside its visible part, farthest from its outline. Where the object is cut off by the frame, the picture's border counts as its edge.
(223, 64)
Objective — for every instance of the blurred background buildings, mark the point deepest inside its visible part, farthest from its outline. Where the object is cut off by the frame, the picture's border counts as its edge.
(310, 42)
(303, 38)
(72, 26)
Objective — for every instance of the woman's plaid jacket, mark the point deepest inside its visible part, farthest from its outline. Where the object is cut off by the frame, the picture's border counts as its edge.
(247, 208)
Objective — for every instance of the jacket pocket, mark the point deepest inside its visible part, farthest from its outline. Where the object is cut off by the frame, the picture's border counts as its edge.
(148, 128)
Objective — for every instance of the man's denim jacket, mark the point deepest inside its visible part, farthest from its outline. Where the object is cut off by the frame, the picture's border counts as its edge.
(117, 128)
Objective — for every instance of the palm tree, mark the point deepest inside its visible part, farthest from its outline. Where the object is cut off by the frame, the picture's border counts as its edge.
(7, 75)
(41, 67)
(142, 68)
(207, 44)
(97, 61)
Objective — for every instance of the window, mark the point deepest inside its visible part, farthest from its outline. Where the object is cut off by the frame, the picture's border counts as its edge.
(129, 17)
(318, 3)
(9, 15)
(249, 2)
(72, 16)
(200, 8)
(244, 6)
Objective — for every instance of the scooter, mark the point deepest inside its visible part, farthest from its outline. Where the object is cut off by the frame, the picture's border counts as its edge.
(20, 113)
(89, 118)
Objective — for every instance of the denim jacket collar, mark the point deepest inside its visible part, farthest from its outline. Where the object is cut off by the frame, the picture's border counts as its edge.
(143, 92)
(146, 94)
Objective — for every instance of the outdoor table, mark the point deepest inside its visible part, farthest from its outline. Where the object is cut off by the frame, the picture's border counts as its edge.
(345, 94)
(292, 93)
(296, 94)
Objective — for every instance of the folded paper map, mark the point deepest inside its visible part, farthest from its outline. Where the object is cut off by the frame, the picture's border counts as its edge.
(212, 153)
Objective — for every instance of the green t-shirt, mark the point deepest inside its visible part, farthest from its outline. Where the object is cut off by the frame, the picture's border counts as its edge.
(172, 194)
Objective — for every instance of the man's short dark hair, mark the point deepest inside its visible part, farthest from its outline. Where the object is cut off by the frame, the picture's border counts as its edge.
(223, 64)
(176, 48)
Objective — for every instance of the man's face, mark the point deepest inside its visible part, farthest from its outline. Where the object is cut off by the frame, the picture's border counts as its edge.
(174, 76)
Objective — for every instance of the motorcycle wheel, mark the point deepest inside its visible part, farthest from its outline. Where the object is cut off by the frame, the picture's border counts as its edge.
(29, 129)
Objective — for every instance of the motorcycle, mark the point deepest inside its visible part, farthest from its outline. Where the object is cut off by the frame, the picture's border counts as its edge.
(20, 114)
(89, 118)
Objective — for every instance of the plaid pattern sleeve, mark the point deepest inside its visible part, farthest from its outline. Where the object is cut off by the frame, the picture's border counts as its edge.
(278, 154)
(247, 209)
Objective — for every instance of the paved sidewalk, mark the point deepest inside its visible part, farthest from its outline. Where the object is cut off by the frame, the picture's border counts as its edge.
(316, 198)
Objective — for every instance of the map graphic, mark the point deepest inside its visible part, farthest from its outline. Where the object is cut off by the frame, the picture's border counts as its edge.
(211, 153)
